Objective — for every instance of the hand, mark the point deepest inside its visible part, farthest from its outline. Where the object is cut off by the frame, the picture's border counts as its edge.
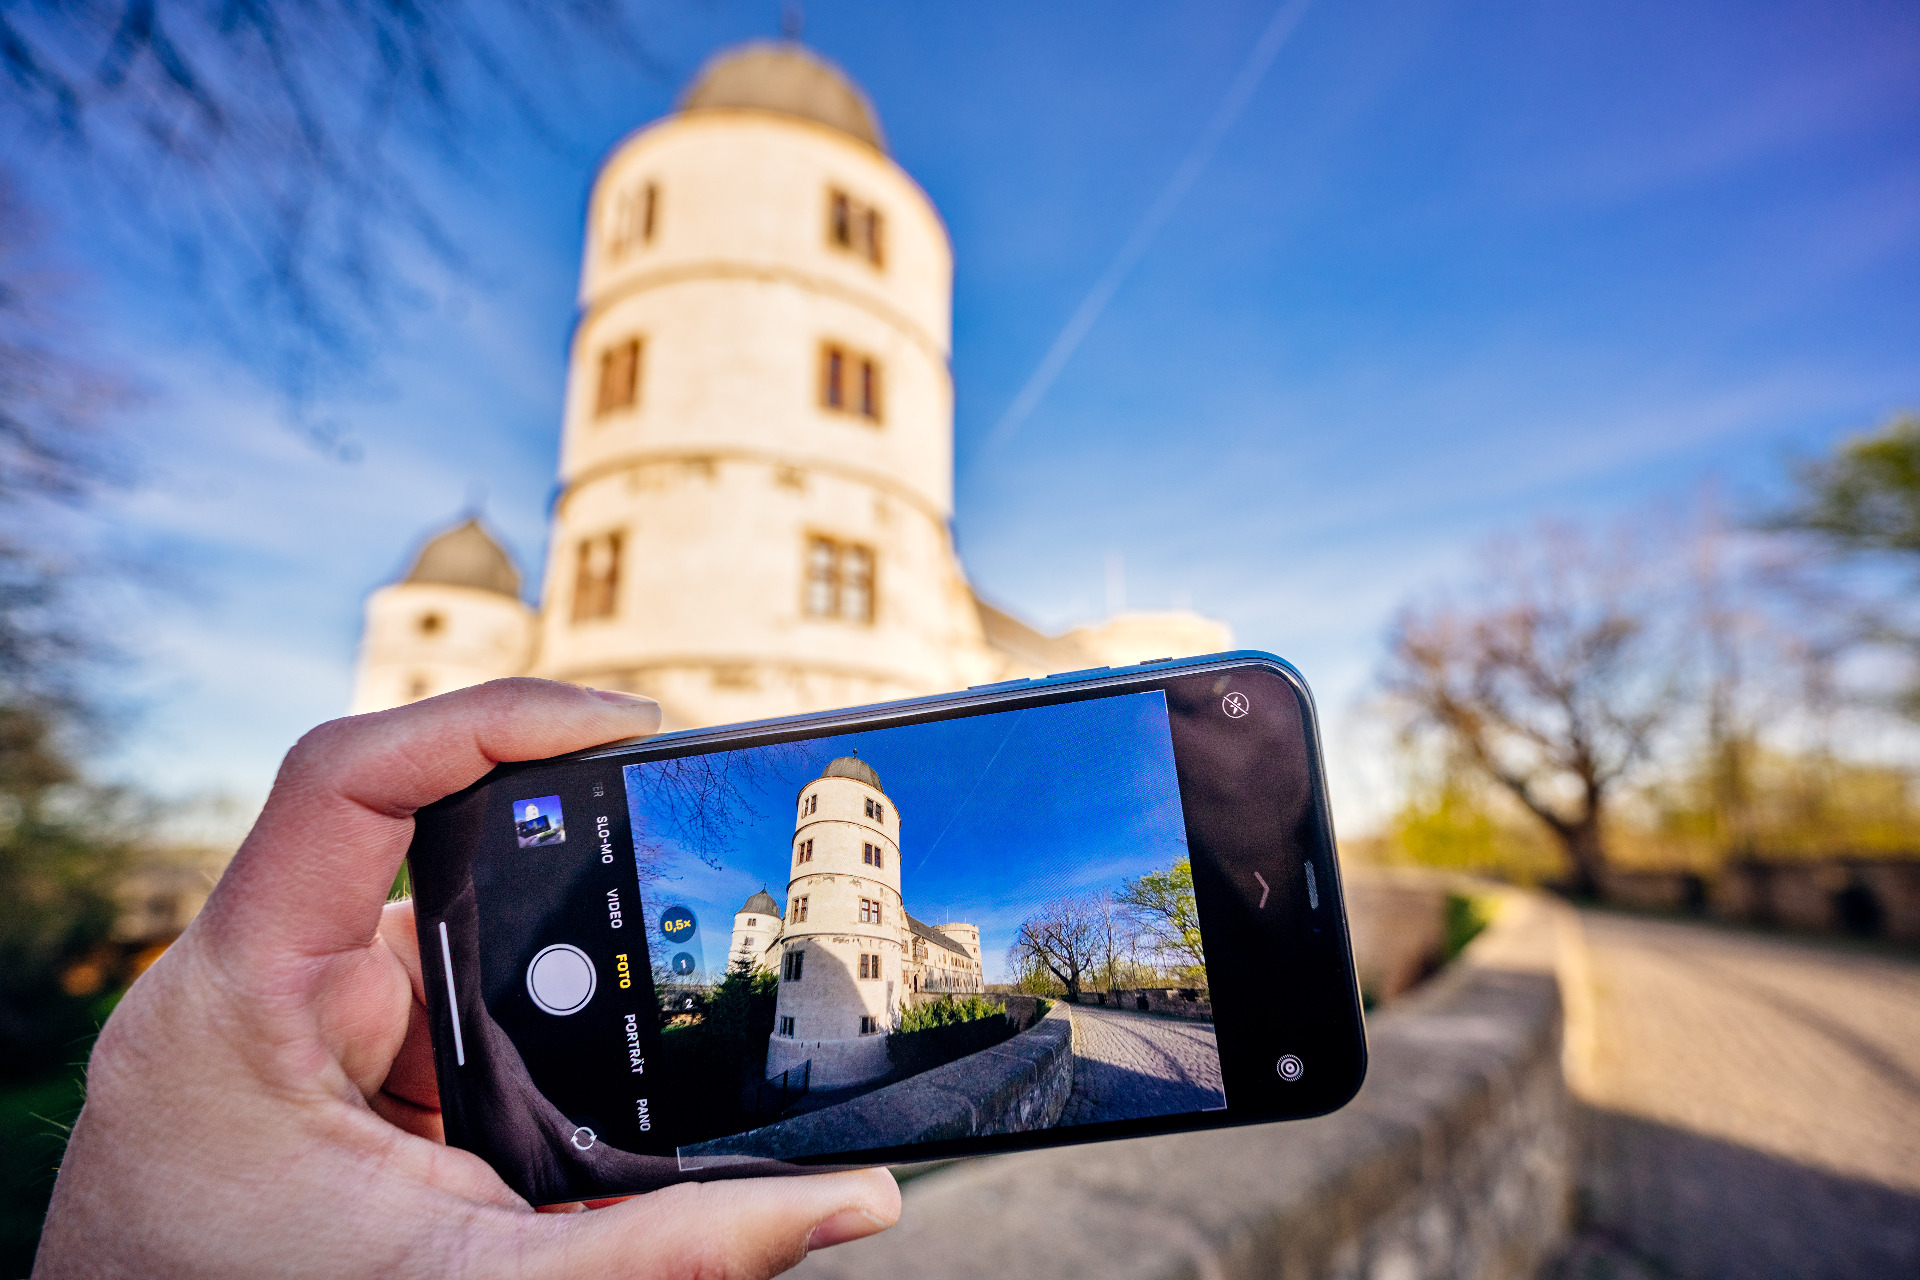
(262, 1102)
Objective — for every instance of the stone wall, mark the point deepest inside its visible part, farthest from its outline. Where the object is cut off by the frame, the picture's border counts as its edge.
(1398, 921)
(1015, 1086)
(1177, 1001)
(1873, 898)
(1455, 1160)
(1869, 898)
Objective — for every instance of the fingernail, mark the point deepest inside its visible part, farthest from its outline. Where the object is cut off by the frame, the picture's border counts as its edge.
(848, 1224)
(619, 699)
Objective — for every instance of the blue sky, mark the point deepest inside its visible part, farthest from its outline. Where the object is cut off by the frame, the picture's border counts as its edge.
(999, 814)
(1454, 267)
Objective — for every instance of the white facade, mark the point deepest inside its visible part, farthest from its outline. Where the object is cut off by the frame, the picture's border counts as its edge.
(757, 450)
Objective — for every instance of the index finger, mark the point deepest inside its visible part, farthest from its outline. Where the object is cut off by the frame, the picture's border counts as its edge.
(313, 873)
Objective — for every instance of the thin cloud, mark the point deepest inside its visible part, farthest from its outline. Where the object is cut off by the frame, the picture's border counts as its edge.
(1238, 94)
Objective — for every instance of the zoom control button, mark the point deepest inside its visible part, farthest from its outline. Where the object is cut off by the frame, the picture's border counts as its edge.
(1290, 1067)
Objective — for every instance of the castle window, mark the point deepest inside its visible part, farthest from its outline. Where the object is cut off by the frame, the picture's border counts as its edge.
(850, 382)
(869, 966)
(430, 624)
(869, 1025)
(786, 1027)
(856, 227)
(839, 581)
(753, 922)
(596, 583)
(791, 965)
(876, 810)
(869, 911)
(810, 804)
(805, 853)
(871, 855)
(799, 911)
(635, 212)
(619, 378)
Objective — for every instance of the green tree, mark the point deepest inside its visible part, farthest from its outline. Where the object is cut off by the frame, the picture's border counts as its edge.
(1865, 501)
(1867, 496)
(739, 1017)
(1162, 904)
(64, 849)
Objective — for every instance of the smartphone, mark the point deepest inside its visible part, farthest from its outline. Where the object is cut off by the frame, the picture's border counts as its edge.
(1087, 906)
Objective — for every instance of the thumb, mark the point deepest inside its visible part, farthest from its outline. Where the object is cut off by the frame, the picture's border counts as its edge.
(312, 876)
(743, 1230)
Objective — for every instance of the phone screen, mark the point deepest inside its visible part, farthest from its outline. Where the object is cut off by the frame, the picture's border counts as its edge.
(707, 961)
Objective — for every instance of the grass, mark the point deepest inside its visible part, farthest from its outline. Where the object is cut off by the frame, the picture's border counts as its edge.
(34, 1118)
(1466, 917)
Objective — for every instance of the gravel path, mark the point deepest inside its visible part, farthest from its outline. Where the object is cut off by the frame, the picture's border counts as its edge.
(1127, 1065)
(1756, 1104)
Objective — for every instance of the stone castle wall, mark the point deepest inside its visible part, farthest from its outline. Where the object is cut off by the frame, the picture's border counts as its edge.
(1455, 1160)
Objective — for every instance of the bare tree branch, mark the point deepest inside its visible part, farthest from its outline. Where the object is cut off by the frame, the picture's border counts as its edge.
(269, 152)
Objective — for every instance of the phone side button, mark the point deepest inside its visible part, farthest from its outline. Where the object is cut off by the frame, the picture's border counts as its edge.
(1003, 684)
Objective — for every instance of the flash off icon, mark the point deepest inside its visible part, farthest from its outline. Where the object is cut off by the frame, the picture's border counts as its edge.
(1235, 705)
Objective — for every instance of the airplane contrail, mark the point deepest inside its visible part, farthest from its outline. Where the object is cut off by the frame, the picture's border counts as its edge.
(1239, 93)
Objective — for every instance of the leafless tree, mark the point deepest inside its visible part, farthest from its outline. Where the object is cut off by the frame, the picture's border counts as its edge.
(1552, 676)
(1066, 937)
(270, 152)
(53, 455)
(1765, 632)
(701, 803)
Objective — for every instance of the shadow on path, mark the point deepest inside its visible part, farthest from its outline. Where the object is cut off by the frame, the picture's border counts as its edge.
(1662, 1201)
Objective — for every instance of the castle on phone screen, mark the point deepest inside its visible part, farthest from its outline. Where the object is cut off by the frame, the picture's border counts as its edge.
(755, 488)
(849, 954)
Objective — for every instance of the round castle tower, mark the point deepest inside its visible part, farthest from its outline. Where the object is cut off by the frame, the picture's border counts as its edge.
(844, 936)
(456, 619)
(756, 467)
(756, 472)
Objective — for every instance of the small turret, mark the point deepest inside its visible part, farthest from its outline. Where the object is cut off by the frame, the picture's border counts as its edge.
(455, 619)
(756, 928)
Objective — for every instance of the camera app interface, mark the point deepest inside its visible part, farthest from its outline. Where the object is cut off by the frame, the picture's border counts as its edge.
(972, 926)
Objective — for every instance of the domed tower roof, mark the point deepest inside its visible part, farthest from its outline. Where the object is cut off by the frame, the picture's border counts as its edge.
(761, 903)
(853, 767)
(466, 556)
(785, 78)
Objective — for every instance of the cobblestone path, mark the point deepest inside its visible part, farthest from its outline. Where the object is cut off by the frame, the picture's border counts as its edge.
(1755, 1103)
(1127, 1065)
